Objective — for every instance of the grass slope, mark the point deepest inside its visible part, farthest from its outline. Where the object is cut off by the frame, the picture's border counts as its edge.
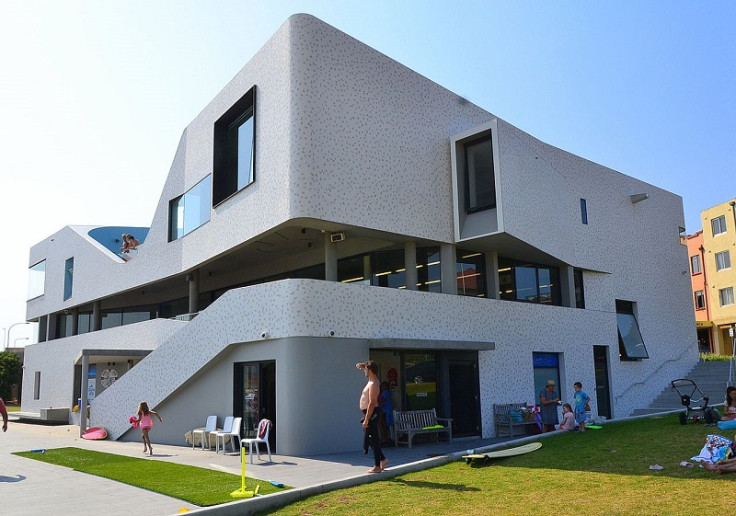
(602, 472)
(195, 485)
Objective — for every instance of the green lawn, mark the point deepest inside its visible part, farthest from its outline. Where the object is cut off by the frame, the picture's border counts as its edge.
(598, 472)
(195, 485)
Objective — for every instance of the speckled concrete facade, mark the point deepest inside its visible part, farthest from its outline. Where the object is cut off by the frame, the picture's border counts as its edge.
(349, 138)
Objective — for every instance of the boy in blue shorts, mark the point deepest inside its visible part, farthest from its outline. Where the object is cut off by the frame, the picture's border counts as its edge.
(581, 404)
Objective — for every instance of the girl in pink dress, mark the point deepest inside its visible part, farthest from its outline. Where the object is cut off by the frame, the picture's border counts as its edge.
(145, 421)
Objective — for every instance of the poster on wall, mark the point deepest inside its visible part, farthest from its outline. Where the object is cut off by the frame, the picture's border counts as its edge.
(91, 379)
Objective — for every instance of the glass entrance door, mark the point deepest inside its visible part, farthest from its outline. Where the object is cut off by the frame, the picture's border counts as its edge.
(420, 377)
(255, 396)
(600, 361)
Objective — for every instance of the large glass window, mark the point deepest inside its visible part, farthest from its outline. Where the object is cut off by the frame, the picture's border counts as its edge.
(723, 260)
(480, 183)
(388, 269)
(189, 211)
(429, 272)
(470, 273)
(718, 225)
(68, 278)
(630, 342)
(726, 296)
(234, 149)
(695, 265)
(530, 282)
(36, 279)
(546, 367)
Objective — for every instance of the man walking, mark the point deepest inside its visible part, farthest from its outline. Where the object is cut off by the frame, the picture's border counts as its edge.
(371, 415)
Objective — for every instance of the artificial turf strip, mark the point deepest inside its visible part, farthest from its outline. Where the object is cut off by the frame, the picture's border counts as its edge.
(199, 486)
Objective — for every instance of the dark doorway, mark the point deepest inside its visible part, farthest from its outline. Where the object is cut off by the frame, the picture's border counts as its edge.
(602, 391)
(464, 400)
(255, 396)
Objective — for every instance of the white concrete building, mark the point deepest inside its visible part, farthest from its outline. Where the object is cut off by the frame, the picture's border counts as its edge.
(322, 172)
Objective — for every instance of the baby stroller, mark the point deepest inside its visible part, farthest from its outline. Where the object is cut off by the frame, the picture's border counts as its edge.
(688, 390)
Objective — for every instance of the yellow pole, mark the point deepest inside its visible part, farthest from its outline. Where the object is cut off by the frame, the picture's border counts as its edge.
(242, 466)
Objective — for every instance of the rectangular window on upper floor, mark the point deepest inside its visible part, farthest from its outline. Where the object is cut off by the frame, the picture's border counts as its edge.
(718, 225)
(480, 182)
(189, 211)
(723, 260)
(726, 296)
(584, 211)
(234, 149)
(699, 299)
(577, 275)
(68, 278)
(630, 342)
(695, 266)
(530, 282)
(471, 275)
(36, 280)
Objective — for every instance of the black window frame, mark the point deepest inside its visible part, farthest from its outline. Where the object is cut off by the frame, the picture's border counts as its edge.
(509, 268)
(485, 136)
(225, 173)
(584, 211)
(630, 340)
(174, 207)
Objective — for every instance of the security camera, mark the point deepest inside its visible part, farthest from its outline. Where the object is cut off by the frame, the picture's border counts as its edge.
(264, 335)
(331, 333)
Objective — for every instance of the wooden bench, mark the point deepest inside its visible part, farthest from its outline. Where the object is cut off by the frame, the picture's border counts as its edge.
(513, 417)
(415, 422)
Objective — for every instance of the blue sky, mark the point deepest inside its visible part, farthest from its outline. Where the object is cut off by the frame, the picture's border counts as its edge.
(94, 95)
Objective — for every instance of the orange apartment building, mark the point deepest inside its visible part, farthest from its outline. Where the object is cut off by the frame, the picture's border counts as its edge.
(714, 279)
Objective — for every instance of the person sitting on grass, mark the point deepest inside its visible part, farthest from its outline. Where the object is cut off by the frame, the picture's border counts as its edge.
(729, 406)
(568, 418)
(722, 467)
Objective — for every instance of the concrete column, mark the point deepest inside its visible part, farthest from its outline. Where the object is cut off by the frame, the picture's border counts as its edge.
(410, 265)
(75, 321)
(96, 316)
(330, 259)
(193, 279)
(448, 268)
(567, 286)
(367, 272)
(83, 392)
(492, 289)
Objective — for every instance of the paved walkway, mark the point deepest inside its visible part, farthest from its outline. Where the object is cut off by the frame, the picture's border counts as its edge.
(30, 487)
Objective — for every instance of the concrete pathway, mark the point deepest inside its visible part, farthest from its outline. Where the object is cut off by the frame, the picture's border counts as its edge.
(30, 487)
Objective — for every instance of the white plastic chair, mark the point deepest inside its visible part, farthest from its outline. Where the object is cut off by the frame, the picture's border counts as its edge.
(227, 426)
(210, 426)
(233, 433)
(264, 427)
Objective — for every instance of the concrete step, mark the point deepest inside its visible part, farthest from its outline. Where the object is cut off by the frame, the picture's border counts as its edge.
(710, 378)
